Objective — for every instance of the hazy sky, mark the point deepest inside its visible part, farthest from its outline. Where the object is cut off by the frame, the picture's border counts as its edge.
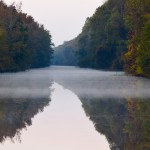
(63, 18)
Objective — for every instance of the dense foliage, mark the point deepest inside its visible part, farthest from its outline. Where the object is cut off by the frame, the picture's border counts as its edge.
(24, 43)
(65, 54)
(116, 37)
(138, 20)
(102, 42)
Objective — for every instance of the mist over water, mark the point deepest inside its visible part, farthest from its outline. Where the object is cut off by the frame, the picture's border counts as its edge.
(72, 102)
(96, 83)
(31, 84)
(35, 83)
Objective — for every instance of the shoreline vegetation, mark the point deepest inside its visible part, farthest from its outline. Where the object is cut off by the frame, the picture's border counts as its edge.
(115, 38)
(24, 43)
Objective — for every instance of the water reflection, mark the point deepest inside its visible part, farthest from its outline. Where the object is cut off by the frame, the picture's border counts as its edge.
(137, 124)
(108, 116)
(117, 105)
(22, 96)
(124, 122)
(16, 114)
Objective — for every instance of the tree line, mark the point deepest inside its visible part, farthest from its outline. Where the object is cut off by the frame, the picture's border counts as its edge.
(137, 59)
(24, 43)
(65, 54)
(116, 37)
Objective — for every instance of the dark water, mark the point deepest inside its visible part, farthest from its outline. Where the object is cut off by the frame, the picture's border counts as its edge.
(67, 108)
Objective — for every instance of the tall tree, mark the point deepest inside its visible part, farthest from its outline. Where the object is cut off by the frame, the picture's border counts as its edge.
(138, 20)
(24, 43)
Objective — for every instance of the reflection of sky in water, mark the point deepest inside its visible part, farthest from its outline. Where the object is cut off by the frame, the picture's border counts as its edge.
(63, 125)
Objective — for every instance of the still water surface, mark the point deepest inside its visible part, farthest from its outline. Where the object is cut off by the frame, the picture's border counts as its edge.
(68, 108)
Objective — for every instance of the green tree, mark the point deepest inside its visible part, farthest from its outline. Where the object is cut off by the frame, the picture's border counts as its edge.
(24, 44)
(138, 21)
(102, 42)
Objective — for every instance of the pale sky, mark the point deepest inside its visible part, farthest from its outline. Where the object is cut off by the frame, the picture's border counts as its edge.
(63, 18)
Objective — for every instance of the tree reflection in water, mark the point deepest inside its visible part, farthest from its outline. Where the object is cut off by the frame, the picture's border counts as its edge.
(118, 105)
(22, 96)
(124, 122)
(16, 114)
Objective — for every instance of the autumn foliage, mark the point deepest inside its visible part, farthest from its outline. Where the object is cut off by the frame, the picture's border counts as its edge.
(138, 21)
